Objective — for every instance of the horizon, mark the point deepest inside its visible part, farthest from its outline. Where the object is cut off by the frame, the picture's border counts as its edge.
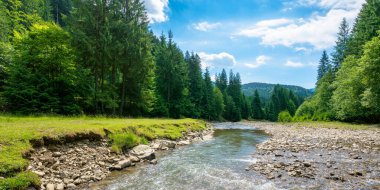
(277, 42)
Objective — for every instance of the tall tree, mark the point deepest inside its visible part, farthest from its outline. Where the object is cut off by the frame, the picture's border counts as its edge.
(324, 65)
(208, 111)
(222, 81)
(338, 55)
(196, 82)
(42, 78)
(257, 111)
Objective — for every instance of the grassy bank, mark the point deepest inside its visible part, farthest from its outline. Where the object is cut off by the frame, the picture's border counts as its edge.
(16, 134)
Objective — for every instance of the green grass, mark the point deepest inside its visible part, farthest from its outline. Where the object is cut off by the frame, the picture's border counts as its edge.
(16, 133)
(334, 125)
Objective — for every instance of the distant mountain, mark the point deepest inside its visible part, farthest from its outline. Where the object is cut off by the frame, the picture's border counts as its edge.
(265, 90)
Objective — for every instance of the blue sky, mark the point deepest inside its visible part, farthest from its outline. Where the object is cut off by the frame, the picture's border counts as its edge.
(273, 41)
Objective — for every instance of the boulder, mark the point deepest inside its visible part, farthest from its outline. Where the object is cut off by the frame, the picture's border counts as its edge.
(154, 161)
(143, 152)
(122, 164)
(39, 173)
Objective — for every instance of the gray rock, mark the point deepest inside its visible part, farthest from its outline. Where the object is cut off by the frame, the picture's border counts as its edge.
(124, 163)
(143, 152)
(183, 143)
(71, 185)
(154, 161)
(134, 159)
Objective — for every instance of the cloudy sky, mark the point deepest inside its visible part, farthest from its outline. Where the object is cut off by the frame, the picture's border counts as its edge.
(274, 41)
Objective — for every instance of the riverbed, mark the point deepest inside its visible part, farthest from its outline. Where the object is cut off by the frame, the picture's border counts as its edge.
(218, 163)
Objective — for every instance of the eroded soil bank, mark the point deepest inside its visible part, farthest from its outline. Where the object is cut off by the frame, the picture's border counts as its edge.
(319, 158)
(76, 165)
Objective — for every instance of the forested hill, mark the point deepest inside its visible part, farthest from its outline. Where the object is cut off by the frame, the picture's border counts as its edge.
(265, 90)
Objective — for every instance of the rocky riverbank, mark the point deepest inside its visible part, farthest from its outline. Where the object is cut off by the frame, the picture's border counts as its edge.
(319, 158)
(76, 165)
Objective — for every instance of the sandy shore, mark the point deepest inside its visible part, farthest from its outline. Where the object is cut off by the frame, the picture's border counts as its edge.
(319, 158)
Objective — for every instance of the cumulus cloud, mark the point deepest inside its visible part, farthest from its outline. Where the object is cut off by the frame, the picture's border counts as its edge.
(294, 64)
(206, 26)
(318, 31)
(260, 60)
(221, 60)
(156, 10)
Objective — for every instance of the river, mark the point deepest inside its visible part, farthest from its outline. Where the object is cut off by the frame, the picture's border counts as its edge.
(218, 163)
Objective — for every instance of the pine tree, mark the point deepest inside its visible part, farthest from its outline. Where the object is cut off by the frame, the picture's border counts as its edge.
(338, 55)
(324, 65)
(257, 112)
(221, 81)
(196, 82)
(208, 103)
(219, 104)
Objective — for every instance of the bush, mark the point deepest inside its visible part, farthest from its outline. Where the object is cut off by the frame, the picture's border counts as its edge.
(284, 116)
(122, 141)
(20, 181)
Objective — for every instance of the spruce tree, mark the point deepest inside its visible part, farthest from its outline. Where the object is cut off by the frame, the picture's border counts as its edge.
(324, 65)
(338, 55)
(257, 112)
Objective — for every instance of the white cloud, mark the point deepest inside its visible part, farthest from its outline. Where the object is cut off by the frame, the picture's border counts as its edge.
(156, 10)
(294, 64)
(260, 60)
(318, 31)
(206, 26)
(221, 60)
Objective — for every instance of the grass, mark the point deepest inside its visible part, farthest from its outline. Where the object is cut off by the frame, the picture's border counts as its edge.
(334, 125)
(17, 132)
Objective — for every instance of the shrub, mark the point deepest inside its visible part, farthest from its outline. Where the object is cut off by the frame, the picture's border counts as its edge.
(20, 181)
(284, 116)
(122, 141)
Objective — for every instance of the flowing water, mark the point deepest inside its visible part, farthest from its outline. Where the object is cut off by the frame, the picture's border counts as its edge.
(215, 164)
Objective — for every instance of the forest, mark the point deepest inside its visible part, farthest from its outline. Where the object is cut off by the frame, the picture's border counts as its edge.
(100, 58)
(348, 87)
(97, 57)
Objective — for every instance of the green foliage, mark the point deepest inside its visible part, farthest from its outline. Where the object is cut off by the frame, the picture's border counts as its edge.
(219, 104)
(123, 141)
(257, 111)
(42, 78)
(324, 65)
(284, 116)
(21, 181)
(341, 45)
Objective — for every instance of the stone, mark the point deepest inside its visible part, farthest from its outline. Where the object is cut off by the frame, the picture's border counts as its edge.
(307, 164)
(71, 185)
(134, 158)
(57, 154)
(124, 163)
(143, 152)
(154, 161)
(39, 173)
(183, 143)
(60, 186)
(50, 186)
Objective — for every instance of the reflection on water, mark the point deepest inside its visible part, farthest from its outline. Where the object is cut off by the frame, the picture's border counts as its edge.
(216, 164)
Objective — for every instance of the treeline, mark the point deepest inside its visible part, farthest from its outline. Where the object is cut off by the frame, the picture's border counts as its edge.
(348, 87)
(99, 57)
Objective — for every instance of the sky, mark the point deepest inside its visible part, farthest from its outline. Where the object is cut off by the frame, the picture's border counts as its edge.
(271, 41)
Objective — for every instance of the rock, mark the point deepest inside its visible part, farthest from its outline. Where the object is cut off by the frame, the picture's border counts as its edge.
(167, 143)
(50, 186)
(306, 164)
(39, 173)
(57, 154)
(270, 176)
(183, 143)
(134, 159)
(154, 161)
(71, 185)
(124, 163)
(60, 186)
(143, 152)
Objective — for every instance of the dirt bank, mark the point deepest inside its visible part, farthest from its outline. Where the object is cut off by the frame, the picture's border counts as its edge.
(319, 158)
(75, 165)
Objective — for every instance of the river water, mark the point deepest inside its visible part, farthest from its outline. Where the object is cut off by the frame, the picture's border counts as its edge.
(218, 163)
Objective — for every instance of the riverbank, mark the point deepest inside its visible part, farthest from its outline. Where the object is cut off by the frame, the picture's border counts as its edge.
(41, 151)
(319, 155)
